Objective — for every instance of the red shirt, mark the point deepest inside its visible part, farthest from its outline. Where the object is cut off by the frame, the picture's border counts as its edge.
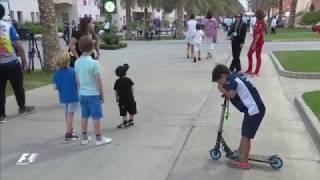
(259, 28)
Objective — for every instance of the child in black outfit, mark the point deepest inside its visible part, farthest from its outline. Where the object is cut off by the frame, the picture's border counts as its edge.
(124, 95)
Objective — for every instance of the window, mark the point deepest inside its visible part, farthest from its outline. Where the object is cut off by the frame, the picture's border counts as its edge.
(20, 16)
(84, 2)
(12, 15)
(33, 19)
(38, 16)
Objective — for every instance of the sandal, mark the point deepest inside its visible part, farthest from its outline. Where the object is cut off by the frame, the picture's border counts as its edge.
(123, 125)
(130, 123)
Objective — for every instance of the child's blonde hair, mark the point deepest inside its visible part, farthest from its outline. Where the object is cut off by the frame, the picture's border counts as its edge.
(62, 59)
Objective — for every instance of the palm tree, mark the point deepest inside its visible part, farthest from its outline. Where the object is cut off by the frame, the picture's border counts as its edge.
(146, 4)
(280, 12)
(50, 41)
(180, 4)
(292, 17)
(128, 4)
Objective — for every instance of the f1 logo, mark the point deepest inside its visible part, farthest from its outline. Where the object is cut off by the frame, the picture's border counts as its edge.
(27, 158)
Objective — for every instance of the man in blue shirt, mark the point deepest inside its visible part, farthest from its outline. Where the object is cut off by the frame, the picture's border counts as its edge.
(245, 97)
(10, 67)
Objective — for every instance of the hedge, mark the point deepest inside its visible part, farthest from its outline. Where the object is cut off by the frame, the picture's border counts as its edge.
(311, 17)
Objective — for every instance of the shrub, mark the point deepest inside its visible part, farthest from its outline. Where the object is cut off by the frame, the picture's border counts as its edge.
(36, 29)
(311, 17)
(60, 28)
(110, 38)
(99, 25)
(138, 24)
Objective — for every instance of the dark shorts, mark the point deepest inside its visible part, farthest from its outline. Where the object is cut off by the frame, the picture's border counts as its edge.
(250, 124)
(130, 108)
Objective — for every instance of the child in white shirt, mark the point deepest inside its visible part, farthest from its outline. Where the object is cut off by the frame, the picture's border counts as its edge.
(197, 40)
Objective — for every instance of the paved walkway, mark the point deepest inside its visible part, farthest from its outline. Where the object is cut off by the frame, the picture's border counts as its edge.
(179, 110)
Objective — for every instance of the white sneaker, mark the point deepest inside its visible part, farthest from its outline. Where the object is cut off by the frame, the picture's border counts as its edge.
(85, 142)
(104, 140)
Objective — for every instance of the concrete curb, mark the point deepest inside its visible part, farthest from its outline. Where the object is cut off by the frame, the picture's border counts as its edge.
(294, 40)
(290, 74)
(310, 120)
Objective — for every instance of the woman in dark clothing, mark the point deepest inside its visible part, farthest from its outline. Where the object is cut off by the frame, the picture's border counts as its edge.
(237, 35)
(86, 29)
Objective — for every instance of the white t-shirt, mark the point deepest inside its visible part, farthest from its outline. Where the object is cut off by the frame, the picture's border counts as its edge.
(198, 36)
(274, 22)
(253, 21)
(107, 26)
(191, 26)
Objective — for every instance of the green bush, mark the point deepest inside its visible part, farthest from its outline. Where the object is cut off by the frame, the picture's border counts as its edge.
(110, 38)
(311, 17)
(113, 46)
(99, 25)
(36, 29)
(60, 28)
(165, 23)
(138, 24)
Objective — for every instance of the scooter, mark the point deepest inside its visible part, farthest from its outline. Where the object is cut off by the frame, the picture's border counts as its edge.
(215, 153)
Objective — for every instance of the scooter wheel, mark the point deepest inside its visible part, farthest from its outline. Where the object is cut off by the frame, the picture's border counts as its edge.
(215, 154)
(276, 162)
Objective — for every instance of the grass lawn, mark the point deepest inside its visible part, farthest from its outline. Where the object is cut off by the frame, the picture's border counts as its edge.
(313, 101)
(293, 34)
(33, 80)
(299, 61)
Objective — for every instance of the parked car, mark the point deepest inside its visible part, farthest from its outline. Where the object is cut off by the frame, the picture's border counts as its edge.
(316, 27)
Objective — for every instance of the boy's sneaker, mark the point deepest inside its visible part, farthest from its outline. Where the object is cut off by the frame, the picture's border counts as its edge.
(235, 155)
(86, 141)
(238, 164)
(26, 110)
(103, 141)
(71, 138)
(3, 118)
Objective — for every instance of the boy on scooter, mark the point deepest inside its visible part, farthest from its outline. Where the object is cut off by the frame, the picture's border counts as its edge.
(245, 97)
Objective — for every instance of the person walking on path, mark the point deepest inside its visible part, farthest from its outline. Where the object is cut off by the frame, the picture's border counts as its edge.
(66, 32)
(90, 91)
(64, 80)
(197, 40)
(73, 27)
(210, 33)
(191, 29)
(124, 95)
(86, 29)
(10, 67)
(257, 43)
(237, 35)
(273, 25)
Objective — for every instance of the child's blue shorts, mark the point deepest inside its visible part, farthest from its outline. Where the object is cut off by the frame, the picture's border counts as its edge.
(91, 107)
(250, 124)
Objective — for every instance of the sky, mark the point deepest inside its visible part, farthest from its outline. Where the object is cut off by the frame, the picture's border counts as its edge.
(244, 3)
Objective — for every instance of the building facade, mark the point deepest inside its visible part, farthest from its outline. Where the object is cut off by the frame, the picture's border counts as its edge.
(137, 13)
(66, 10)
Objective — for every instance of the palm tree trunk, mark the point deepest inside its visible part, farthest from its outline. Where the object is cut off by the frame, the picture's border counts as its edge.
(280, 12)
(146, 23)
(50, 40)
(292, 17)
(180, 18)
(128, 19)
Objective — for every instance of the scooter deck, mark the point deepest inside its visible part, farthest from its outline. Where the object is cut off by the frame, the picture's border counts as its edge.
(259, 158)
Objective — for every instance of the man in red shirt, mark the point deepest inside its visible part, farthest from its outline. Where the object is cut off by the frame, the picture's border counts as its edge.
(257, 43)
